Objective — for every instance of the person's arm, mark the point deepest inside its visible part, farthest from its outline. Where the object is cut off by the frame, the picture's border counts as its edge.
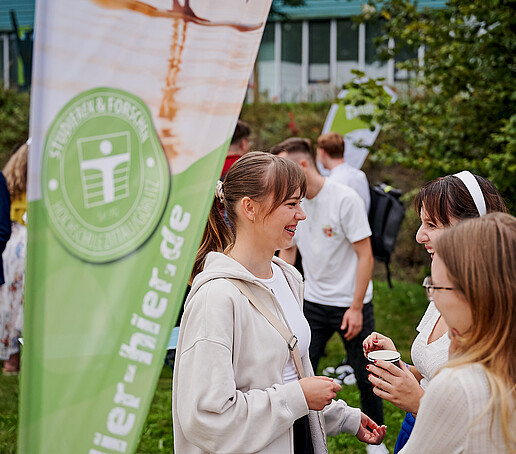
(289, 255)
(444, 418)
(212, 411)
(415, 373)
(352, 320)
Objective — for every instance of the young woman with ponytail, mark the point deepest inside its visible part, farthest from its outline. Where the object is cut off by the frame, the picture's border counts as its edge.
(236, 386)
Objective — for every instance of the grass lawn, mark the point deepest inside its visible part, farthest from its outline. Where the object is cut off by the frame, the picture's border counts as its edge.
(397, 313)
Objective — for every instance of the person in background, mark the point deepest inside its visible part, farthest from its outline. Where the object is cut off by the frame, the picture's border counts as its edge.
(441, 204)
(470, 404)
(257, 398)
(330, 153)
(337, 261)
(238, 147)
(11, 293)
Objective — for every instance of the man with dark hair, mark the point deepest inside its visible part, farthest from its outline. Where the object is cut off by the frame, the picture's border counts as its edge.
(337, 261)
(330, 153)
(239, 145)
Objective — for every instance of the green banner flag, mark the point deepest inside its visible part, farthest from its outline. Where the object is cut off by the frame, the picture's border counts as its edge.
(132, 110)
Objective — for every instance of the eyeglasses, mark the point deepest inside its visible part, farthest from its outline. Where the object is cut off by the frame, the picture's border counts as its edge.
(427, 285)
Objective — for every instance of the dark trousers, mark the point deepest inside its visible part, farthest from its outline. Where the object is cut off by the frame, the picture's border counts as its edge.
(324, 321)
(302, 436)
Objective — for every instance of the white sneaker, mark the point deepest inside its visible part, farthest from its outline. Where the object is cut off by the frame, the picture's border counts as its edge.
(377, 449)
(329, 371)
(344, 369)
(349, 380)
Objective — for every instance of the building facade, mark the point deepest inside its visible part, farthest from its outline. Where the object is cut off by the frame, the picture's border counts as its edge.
(308, 55)
(16, 32)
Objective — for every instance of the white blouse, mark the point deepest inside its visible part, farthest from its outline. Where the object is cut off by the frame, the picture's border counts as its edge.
(429, 358)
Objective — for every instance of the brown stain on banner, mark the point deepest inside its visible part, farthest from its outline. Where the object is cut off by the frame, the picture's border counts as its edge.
(181, 16)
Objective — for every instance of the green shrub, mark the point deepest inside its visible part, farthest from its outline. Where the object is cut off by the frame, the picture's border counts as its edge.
(14, 121)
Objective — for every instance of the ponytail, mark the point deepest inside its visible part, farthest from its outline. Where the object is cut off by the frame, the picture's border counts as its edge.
(217, 237)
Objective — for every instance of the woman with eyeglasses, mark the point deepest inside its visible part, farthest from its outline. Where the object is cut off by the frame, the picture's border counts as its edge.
(441, 203)
(469, 406)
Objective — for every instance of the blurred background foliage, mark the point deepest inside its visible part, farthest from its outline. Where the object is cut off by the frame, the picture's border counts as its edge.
(459, 109)
(14, 121)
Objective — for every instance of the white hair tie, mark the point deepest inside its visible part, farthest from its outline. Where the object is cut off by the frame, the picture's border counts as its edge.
(219, 191)
(473, 187)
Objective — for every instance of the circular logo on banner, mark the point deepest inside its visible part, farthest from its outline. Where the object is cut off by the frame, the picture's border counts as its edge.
(105, 178)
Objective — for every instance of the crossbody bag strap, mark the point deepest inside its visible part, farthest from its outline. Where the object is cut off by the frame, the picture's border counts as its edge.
(290, 339)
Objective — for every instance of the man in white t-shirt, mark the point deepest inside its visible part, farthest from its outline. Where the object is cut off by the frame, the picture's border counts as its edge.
(330, 153)
(337, 262)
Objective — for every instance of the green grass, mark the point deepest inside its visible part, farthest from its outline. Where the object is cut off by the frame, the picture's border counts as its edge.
(397, 313)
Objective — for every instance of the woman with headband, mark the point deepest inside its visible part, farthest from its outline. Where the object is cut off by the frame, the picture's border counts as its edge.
(441, 203)
(243, 322)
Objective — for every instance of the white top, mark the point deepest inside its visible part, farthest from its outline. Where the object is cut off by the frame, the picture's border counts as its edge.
(296, 321)
(355, 179)
(447, 418)
(335, 218)
(429, 358)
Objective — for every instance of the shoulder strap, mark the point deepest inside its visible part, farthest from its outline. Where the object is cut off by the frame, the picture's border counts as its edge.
(275, 322)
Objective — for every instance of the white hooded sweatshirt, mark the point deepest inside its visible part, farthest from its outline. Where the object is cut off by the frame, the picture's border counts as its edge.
(228, 394)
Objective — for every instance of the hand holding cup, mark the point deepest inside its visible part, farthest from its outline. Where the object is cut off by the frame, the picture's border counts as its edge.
(319, 391)
(395, 383)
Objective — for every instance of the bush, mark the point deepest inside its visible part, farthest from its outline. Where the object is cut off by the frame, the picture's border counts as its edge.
(460, 111)
(14, 121)
(272, 123)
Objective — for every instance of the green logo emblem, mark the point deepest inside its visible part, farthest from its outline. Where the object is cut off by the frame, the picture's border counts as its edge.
(105, 178)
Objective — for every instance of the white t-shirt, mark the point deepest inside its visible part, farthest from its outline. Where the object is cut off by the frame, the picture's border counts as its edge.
(429, 358)
(296, 321)
(335, 218)
(355, 179)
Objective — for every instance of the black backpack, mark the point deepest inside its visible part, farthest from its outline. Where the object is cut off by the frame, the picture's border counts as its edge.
(385, 217)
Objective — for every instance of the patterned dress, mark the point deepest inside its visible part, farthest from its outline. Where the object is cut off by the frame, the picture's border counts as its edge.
(11, 293)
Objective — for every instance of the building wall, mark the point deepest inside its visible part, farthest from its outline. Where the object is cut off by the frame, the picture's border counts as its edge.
(312, 52)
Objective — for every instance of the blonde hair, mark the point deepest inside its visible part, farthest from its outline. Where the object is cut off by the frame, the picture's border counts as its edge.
(480, 258)
(15, 172)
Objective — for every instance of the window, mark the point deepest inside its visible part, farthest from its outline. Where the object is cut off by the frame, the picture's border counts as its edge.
(266, 51)
(319, 51)
(373, 31)
(347, 40)
(291, 40)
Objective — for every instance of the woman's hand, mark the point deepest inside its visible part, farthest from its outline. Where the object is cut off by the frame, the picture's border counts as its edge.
(377, 341)
(398, 386)
(370, 432)
(319, 391)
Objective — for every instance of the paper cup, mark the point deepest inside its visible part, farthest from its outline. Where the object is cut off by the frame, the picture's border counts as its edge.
(386, 355)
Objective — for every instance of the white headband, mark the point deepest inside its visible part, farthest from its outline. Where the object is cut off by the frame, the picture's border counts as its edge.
(473, 187)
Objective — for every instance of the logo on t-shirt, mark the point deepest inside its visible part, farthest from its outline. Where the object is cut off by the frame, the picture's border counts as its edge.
(328, 231)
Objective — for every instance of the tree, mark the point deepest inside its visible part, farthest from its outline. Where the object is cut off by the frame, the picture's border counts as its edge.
(460, 110)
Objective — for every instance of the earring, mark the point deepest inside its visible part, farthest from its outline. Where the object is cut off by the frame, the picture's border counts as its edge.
(254, 219)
